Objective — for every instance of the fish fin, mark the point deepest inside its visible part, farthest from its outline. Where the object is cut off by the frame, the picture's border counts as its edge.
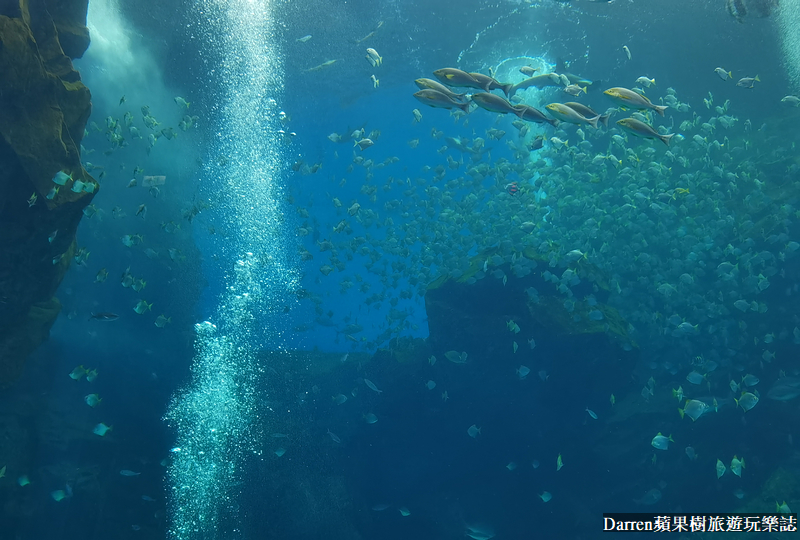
(660, 109)
(730, 74)
(756, 78)
(604, 119)
(506, 88)
(593, 121)
(666, 138)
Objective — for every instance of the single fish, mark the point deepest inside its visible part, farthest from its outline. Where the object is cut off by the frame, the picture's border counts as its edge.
(430, 84)
(61, 178)
(588, 112)
(747, 401)
(720, 468)
(321, 66)
(641, 129)
(374, 58)
(535, 81)
(574, 90)
(104, 316)
(724, 75)
(371, 386)
(532, 114)
(633, 100)
(661, 442)
(434, 98)
(494, 103)
(77, 373)
(142, 306)
(489, 83)
(694, 409)
(737, 465)
(748, 82)
(569, 115)
(456, 77)
(785, 389)
(101, 429)
(126, 472)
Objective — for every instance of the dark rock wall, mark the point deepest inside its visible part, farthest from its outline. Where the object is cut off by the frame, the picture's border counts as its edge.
(44, 108)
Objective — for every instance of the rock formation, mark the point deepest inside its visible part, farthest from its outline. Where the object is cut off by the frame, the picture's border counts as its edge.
(44, 107)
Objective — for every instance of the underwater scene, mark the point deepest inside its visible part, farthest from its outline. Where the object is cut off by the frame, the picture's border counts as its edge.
(345, 270)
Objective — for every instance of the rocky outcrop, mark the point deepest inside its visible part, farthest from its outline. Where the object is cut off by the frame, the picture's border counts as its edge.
(44, 108)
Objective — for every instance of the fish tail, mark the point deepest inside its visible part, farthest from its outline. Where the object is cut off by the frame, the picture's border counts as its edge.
(604, 119)
(512, 89)
(506, 88)
(464, 107)
(756, 78)
(660, 109)
(666, 138)
(593, 121)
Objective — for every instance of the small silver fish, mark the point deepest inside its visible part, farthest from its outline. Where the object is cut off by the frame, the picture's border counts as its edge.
(748, 82)
(371, 386)
(724, 75)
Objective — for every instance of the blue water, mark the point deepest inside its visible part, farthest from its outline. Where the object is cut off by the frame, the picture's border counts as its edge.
(418, 458)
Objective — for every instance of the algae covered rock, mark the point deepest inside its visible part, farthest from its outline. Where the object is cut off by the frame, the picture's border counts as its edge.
(44, 108)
